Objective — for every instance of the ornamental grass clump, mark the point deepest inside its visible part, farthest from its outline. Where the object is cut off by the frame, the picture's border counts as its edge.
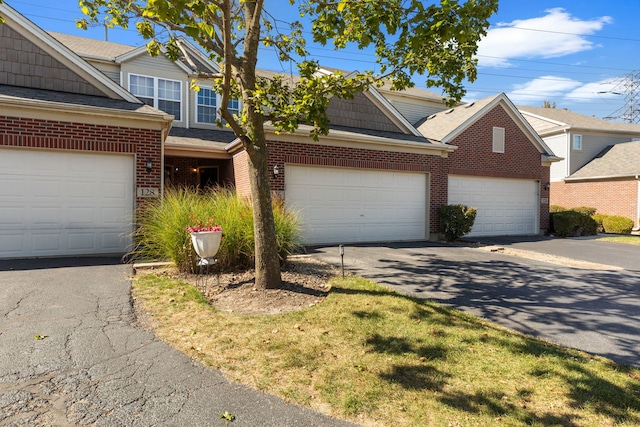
(164, 225)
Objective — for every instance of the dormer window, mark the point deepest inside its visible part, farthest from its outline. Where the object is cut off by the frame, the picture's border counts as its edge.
(163, 94)
(207, 102)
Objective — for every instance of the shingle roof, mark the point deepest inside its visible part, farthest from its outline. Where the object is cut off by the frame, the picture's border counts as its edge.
(74, 99)
(437, 126)
(97, 48)
(210, 138)
(569, 119)
(619, 160)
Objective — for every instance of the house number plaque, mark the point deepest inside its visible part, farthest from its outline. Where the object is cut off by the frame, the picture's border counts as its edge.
(148, 192)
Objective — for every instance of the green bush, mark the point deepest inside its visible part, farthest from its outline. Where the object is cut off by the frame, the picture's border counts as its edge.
(585, 210)
(617, 224)
(572, 223)
(456, 220)
(598, 219)
(161, 232)
(556, 208)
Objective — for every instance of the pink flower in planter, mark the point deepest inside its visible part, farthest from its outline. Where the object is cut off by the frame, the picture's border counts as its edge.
(209, 225)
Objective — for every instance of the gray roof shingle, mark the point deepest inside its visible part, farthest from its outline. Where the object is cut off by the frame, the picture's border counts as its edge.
(571, 119)
(619, 160)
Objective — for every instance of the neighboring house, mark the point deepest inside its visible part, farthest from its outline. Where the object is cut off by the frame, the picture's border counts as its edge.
(77, 152)
(578, 139)
(610, 182)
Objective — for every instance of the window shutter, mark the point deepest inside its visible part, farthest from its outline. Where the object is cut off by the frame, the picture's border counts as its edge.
(498, 140)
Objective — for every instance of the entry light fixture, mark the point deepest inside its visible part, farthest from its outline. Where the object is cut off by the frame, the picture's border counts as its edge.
(276, 171)
(149, 165)
(547, 186)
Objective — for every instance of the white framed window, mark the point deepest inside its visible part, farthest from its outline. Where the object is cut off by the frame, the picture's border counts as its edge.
(163, 94)
(207, 102)
(577, 142)
(498, 139)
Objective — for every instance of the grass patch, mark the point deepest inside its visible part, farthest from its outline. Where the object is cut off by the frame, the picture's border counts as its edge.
(376, 357)
(629, 240)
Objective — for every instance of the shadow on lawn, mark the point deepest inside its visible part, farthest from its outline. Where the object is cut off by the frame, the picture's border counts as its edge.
(533, 299)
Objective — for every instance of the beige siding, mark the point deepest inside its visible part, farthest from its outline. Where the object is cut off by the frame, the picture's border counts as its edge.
(110, 70)
(558, 145)
(592, 144)
(415, 109)
(160, 67)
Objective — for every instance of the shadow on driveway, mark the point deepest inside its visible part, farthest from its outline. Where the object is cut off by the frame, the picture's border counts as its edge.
(595, 311)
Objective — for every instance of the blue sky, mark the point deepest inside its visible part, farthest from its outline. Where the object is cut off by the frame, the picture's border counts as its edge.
(574, 53)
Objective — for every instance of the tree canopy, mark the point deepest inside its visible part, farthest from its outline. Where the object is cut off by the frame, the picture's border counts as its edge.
(435, 39)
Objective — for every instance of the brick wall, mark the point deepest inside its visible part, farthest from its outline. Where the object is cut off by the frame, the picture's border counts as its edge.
(241, 168)
(610, 197)
(283, 153)
(24, 64)
(520, 159)
(49, 134)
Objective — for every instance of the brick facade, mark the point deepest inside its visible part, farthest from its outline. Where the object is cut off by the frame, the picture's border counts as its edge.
(609, 197)
(475, 156)
(58, 135)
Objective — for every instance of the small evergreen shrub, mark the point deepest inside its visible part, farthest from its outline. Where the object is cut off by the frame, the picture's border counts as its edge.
(456, 220)
(585, 210)
(572, 224)
(556, 208)
(617, 224)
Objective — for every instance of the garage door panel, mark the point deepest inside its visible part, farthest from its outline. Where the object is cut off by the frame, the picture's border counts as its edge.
(504, 206)
(351, 205)
(65, 203)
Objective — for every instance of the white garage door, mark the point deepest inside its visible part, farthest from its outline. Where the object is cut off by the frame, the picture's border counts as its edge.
(504, 206)
(63, 203)
(340, 205)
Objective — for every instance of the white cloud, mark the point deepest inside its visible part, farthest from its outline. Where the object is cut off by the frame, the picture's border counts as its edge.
(541, 89)
(553, 35)
(608, 89)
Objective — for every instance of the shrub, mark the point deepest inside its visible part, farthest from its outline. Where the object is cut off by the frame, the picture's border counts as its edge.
(456, 220)
(598, 219)
(556, 208)
(161, 233)
(572, 223)
(585, 210)
(617, 224)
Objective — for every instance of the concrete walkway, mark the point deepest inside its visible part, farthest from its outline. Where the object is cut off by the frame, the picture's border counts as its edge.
(71, 354)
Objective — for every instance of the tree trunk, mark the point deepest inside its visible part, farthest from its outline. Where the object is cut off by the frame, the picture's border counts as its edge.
(266, 249)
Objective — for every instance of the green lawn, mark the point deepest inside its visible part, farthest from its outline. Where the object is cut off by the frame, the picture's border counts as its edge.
(630, 240)
(375, 357)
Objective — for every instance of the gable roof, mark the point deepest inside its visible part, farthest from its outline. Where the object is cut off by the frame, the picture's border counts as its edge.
(445, 126)
(547, 121)
(99, 50)
(616, 161)
(64, 55)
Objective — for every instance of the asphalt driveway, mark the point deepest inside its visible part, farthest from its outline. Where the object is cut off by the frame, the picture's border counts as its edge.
(592, 310)
(72, 354)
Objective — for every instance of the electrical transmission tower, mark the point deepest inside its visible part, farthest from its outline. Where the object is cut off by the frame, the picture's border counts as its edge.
(629, 87)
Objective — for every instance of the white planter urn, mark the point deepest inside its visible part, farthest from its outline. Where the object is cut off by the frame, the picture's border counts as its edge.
(206, 243)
